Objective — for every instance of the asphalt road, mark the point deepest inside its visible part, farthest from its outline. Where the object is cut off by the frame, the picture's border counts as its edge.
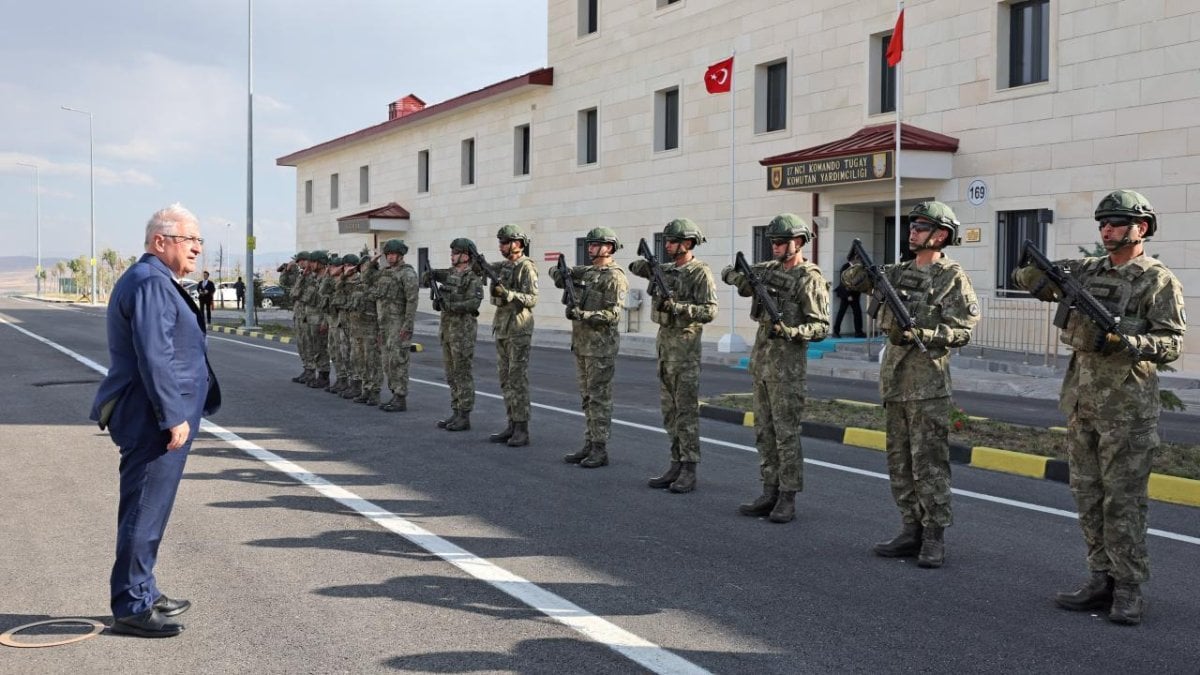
(540, 567)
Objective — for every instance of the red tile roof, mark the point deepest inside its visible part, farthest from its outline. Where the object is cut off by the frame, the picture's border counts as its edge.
(391, 210)
(543, 76)
(870, 139)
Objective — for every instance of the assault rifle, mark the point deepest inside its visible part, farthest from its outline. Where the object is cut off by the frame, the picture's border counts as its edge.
(1074, 296)
(478, 260)
(762, 295)
(658, 283)
(435, 291)
(882, 291)
(568, 284)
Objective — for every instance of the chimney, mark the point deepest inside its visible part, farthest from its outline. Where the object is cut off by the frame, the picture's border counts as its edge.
(405, 106)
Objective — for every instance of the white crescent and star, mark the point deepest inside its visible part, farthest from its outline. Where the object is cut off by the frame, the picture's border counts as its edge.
(720, 76)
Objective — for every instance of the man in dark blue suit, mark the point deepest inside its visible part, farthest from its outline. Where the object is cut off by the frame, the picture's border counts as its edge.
(158, 386)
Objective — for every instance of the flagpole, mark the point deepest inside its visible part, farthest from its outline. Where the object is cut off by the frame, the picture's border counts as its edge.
(732, 198)
(899, 113)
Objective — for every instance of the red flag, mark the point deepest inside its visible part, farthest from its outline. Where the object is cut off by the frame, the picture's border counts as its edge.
(896, 47)
(718, 79)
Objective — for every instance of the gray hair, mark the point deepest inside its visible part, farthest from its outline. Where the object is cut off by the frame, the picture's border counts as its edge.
(165, 219)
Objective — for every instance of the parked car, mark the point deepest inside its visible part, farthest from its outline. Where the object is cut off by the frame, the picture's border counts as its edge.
(192, 288)
(273, 296)
(226, 295)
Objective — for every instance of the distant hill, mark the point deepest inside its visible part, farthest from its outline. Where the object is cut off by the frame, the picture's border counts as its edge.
(18, 263)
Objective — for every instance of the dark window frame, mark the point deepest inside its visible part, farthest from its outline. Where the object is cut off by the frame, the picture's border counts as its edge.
(334, 191)
(591, 136)
(671, 119)
(364, 184)
(423, 168)
(1028, 42)
(1012, 229)
(776, 97)
(887, 78)
(308, 196)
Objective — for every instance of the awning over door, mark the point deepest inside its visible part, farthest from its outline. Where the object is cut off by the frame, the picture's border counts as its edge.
(391, 217)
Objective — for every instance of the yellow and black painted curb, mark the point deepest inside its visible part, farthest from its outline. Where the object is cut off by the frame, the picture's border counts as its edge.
(285, 339)
(1162, 487)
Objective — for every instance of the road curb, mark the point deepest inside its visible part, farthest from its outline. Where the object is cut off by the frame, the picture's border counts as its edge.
(1163, 488)
(285, 339)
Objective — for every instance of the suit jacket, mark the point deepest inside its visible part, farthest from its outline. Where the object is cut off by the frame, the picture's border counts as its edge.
(159, 374)
(206, 289)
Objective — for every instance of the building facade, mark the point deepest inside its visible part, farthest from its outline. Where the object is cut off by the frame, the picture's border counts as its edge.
(1020, 115)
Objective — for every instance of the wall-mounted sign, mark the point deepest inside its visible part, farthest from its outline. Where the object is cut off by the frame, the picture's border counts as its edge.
(835, 171)
(551, 256)
(973, 235)
(977, 192)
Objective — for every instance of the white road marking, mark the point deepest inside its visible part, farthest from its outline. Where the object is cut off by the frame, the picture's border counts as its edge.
(641, 651)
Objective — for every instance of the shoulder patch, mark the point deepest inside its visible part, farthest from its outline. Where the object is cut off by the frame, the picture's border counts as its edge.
(973, 309)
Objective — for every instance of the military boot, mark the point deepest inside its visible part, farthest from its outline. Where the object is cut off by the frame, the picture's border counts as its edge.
(353, 390)
(1127, 604)
(1095, 593)
(461, 422)
(321, 381)
(520, 435)
(763, 505)
(597, 458)
(667, 478)
(441, 424)
(687, 478)
(334, 383)
(398, 403)
(785, 507)
(904, 545)
(580, 455)
(372, 398)
(304, 377)
(503, 436)
(933, 547)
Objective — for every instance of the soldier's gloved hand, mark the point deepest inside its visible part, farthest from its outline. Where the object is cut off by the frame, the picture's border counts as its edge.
(666, 305)
(901, 337)
(573, 313)
(778, 330)
(855, 277)
(499, 290)
(1037, 283)
(1109, 343)
(731, 276)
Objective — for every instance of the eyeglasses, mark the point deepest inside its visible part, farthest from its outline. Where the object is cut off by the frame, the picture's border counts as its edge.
(191, 240)
(1115, 222)
(921, 226)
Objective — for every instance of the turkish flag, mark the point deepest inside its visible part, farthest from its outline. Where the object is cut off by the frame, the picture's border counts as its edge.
(718, 79)
(896, 47)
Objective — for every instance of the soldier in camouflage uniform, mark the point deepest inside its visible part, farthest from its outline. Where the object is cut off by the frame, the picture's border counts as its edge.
(339, 324)
(1111, 399)
(317, 356)
(289, 272)
(364, 336)
(462, 292)
(779, 361)
(915, 387)
(681, 320)
(396, 305)
(514, 298)
(600, 291)
(299, 281)
(324, 307)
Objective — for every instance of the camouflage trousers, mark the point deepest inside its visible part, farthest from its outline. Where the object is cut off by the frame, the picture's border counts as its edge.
(778, 412)
(1110, 475)
(595, 374)
(396, 355)
(364, 354)
(457, 335)
(512, 365)
(339, 347)
(302, 348)
(679, 392)
(318, 343)
(918, 459)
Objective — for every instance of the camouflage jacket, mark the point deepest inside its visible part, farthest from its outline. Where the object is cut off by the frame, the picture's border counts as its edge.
(601, 294)
(802, 295)
(694, 304)
(339, 303)
(325, 295)
(396, 296)
(287, 278)
(462, 291)
(361, 302)
(1148, 298)
(297, 291)
(514, 311)
(939, 297)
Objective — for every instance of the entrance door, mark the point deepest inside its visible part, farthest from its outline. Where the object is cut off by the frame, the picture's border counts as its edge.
(889, 239)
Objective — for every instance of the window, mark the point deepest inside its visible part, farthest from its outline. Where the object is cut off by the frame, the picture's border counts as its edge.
(666, 119)
(333, 191)
(1024, 43)
(884, 99)
(581, 256)
(521, 150)
(364, 189)
(666, 3)
(308, 196)
(423, 171)
(1012, 229)
(423, 261)
(589, 17)
(468, 161)
(589, 132)
(762, 245)
(770, 97)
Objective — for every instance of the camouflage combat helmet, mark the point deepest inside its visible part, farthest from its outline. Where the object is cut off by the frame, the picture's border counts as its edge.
(302, 255)
(684, 228)
(320, 257)
(1128, 204)
(350, 259)
(513, 232)
(788, 226)
(941, 214)
(602, 235)
(334, 260)
(462, 245)
(395, 246)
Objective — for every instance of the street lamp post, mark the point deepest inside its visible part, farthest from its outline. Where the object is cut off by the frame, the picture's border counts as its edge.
(91, 194)
(37, 191)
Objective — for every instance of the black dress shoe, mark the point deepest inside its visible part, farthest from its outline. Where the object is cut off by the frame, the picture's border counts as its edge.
(168, 607)
(149, 624)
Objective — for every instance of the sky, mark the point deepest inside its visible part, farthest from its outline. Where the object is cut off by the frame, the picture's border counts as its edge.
(166, 83)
